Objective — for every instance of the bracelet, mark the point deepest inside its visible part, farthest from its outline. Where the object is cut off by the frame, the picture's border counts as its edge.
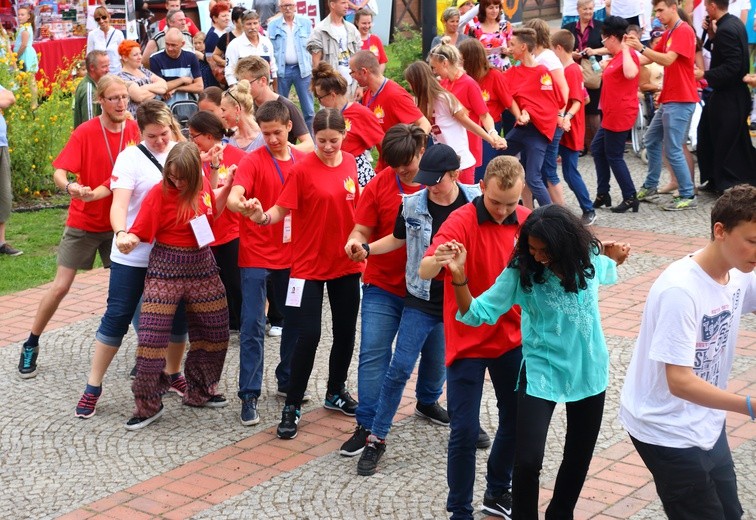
(493, 132)
(119, 232)
(569, 115)
(643, 49)
(68, 184)
(267, 219)
(750, 408)
(214, 167)
(366, 247)
(459, 284)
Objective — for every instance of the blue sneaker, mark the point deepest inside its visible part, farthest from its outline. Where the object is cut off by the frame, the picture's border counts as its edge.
(249, 415)
(341, 402)
(86, 407)
(27, 364)
(287, 428)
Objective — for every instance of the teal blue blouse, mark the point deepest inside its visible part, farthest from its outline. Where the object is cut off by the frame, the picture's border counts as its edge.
(563, 345)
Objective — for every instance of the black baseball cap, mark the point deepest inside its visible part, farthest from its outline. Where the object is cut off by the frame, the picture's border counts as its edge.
(435, 162)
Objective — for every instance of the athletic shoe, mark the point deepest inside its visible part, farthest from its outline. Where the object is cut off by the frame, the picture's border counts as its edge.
(249, 415)
(588, 218)
(287, 428)
(356, 442)
(681, 203)
(132, 374)
(275, 331)
(86, 407)
(433, 412)
(216, 401)
(27, 364)
(498, 506)
(484, 441)
(178, 386)
(341, 402)
(374, 450)
(7, 250)
(283, 393)
(647, 194)
(137, 423)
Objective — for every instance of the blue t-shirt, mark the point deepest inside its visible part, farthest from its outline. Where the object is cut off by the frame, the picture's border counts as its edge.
(185, 66)
(3, 127)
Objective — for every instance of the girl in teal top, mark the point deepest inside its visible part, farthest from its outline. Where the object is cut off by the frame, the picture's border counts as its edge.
(554, 277)
(26, 55)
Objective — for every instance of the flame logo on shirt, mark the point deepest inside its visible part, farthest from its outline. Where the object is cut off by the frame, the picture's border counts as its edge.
(206, 200)
(486, 96)
(131, 143)
(113, 178)
(349, 185)
(669, 43)
(222, 172)
(374, 50)
(347, 124)
(546, 80)
(379, 113)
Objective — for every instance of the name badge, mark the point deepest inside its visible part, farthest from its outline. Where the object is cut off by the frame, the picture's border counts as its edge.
(287, 229)
(294, 292)
(203, 233)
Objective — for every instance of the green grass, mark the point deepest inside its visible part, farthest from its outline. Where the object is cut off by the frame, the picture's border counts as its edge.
(37, 234)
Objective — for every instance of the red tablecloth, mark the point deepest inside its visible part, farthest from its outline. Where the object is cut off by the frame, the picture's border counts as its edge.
(57, 54)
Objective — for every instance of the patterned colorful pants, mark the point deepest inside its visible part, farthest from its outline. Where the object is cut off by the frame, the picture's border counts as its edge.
(191, 275)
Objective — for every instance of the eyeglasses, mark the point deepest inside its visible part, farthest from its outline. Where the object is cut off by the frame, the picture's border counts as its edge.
(288, 6)
(99, 18)
(194, 136)
(320, 98)
(116, 99)
(604, 39)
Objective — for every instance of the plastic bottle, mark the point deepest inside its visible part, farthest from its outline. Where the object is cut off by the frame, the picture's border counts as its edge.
(594, 64)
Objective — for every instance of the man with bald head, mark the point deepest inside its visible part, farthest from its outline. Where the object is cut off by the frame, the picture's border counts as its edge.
(179, 68)
(174, 19)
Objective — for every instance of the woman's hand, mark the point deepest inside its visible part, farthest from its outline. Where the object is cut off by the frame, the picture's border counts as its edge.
(617, 252)
(524, 118)
(355, 251)
(126, 242)
(499, 143)
(255, 210)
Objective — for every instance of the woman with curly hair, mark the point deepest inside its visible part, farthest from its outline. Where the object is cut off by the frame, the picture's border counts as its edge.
(554, 277)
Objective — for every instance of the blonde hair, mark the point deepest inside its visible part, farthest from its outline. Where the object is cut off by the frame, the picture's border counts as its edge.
(106, 82)
(505, 169)
(241, 93)
(428, 90)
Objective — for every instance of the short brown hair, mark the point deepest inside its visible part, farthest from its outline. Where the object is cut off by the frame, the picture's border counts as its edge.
(366, 60)
(505, 169)
(526, 36)
(251, 68)
(735, 206)
(565, 39)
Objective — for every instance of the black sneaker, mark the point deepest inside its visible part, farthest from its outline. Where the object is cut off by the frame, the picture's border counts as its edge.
(499, 506)
(132, 374)
(372, 453)
(27, 364)
(249, 415)
(433, 412)
(137, 423)
(484, 441)
(284, 393)
(588, 218)
(216, 401)
(356, 442)
(7, 250)
(341, 402)
(287, 428)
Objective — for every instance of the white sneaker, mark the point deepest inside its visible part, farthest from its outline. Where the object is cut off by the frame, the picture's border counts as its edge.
(275, 332)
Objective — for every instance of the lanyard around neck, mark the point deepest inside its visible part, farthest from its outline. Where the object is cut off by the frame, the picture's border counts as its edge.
(107, 143)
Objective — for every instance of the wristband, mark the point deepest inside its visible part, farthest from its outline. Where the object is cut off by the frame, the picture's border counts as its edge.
(569, 115)
(459, 284)
(267, 219)
(643, 49)
(68, 184)
(366, 247)
(119, 232)
(750, 408)
(214, 167)
(493, 132)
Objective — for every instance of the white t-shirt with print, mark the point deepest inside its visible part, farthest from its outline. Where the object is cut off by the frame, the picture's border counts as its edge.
(339, 32)
(134, 171)
(689, 320)
(447, 130)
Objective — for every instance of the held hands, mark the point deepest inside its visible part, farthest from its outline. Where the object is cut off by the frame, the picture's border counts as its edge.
(451, 255)
(126, 242)
(617, 251)
(214, 155)
(77, 191)
(256, 214)
(499, 143)
(355, 251)
(632, 41)
(566, 124)
(524, 118)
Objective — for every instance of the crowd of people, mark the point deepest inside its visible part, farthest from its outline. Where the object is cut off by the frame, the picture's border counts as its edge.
(456, 248)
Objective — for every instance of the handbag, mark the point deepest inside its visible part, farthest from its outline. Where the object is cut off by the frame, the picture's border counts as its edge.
(591, 78)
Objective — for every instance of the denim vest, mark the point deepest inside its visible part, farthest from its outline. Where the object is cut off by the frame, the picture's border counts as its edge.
(418, 222)
(301, 33)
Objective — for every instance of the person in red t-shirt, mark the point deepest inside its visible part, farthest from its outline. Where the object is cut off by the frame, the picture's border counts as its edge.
(219, 161)
(363, 20)
(390, 103)
(676, 51)
(619, 104)
(487, 227)
(362, 127)
(446, 62)
(178, 215)
(321, 193)
(89, 155)
(532, 87)
(573, 123)
(171, 5)
(264, 255)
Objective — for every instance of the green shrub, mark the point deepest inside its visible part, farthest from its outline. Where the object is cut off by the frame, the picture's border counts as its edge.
(406, 48)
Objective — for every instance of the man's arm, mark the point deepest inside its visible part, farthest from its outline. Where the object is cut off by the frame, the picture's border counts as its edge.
(305, 143)
(359, 235)
(664, 59)
(149, 50)
(727, 73)
(194, 87)
(6, 99)
(685, 384)
(424, 124)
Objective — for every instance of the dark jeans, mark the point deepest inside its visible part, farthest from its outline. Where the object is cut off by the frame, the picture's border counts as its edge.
(694, 484)
(532, 144)
(464, 386)
(227, 257)
(608, 149)
(533, 418)
(275, 311)
(344, 298)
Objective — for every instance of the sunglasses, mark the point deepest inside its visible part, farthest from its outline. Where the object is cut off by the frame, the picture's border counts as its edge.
(99, 18)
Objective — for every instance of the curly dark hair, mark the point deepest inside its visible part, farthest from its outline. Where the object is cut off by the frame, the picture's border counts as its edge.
(569, 245)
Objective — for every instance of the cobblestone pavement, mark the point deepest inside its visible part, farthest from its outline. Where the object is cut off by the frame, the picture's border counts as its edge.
(202, 463)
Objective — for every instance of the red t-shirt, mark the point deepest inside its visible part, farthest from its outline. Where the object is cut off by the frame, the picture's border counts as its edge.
(375, 45)
(226, 227)
(619, 96)
(495, 93)
(363, 131)
(262, 246)
(533, 89)
(391, 105)
(190, 27)
(86, 156)
(378, 207)
(157, 221)
(322, 200)
(489, 248)
(470, 95)
(679, 82)
(574, 139)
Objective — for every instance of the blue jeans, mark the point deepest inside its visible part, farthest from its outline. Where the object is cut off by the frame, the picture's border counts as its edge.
(533, 144)
(418, 332)
(549, 168)
(669, 127)
(464, 389)
(124, 302)
(608, 150)
(489, 153)
(573, 178)
(302, 86)
(252, 332)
